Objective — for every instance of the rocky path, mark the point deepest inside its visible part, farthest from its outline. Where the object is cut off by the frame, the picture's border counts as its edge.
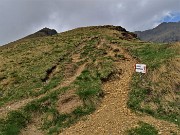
(113, 116)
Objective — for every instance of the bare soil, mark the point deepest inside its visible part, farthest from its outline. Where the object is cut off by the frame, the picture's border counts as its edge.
(68, 102)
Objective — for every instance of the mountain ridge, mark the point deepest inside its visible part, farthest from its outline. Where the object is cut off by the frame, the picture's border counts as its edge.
(165, 32)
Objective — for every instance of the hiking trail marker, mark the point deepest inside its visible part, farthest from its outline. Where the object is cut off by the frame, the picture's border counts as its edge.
(140, 68)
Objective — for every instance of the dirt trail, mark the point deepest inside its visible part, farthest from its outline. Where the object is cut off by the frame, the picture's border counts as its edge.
(13, 106)
(113, 116)
(16, 105)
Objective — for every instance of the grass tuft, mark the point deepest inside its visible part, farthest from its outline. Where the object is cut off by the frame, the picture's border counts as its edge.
(143, 129)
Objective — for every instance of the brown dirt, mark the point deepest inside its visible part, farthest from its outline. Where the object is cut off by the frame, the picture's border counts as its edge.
(33, 128)
(33, 131)
(68, 102)
(69, 80)
(113, 117)
(76, 58)
(13, 106)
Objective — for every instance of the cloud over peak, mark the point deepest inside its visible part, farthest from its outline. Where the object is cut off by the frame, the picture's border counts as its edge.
(22, 17)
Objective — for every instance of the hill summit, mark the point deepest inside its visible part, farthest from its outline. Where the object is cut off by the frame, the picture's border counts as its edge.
(165, 32)
(43, 32)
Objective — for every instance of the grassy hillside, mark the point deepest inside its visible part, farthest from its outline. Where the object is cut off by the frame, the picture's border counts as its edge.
(158, 91)
(35, 66)
(61, 76)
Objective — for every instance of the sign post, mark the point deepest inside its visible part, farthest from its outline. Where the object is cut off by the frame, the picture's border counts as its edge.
(140, 68)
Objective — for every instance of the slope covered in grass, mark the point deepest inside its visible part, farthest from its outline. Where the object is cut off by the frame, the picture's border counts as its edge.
(40, 68)
(31, 67)
(52, 81)
(158, 92)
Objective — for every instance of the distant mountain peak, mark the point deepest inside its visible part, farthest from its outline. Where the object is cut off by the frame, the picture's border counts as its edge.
(165, 32)
(47, 31)
(43, 32)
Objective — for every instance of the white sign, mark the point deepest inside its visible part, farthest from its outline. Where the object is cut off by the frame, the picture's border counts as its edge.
(141, 68)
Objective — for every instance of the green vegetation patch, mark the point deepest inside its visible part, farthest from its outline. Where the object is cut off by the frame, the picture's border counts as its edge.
(89, 87)
(155, 92)
(154, 54)
(15, 122)
(143, 129)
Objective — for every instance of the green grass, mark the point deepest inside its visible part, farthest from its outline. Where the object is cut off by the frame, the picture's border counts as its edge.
(154, 54)
(137, 94)
(144, 90)
(89, 87)
(15, 122)
(143, 129)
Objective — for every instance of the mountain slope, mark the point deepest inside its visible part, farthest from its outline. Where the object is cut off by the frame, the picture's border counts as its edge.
(49, 83)
(165, 32)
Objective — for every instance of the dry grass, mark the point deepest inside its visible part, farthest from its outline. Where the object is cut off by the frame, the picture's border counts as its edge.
(168, 74)
(158, 92)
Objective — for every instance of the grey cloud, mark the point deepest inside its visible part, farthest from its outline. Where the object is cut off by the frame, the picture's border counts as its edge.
(22, 17)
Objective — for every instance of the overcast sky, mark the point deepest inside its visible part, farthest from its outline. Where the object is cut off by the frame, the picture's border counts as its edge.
(19, 18)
